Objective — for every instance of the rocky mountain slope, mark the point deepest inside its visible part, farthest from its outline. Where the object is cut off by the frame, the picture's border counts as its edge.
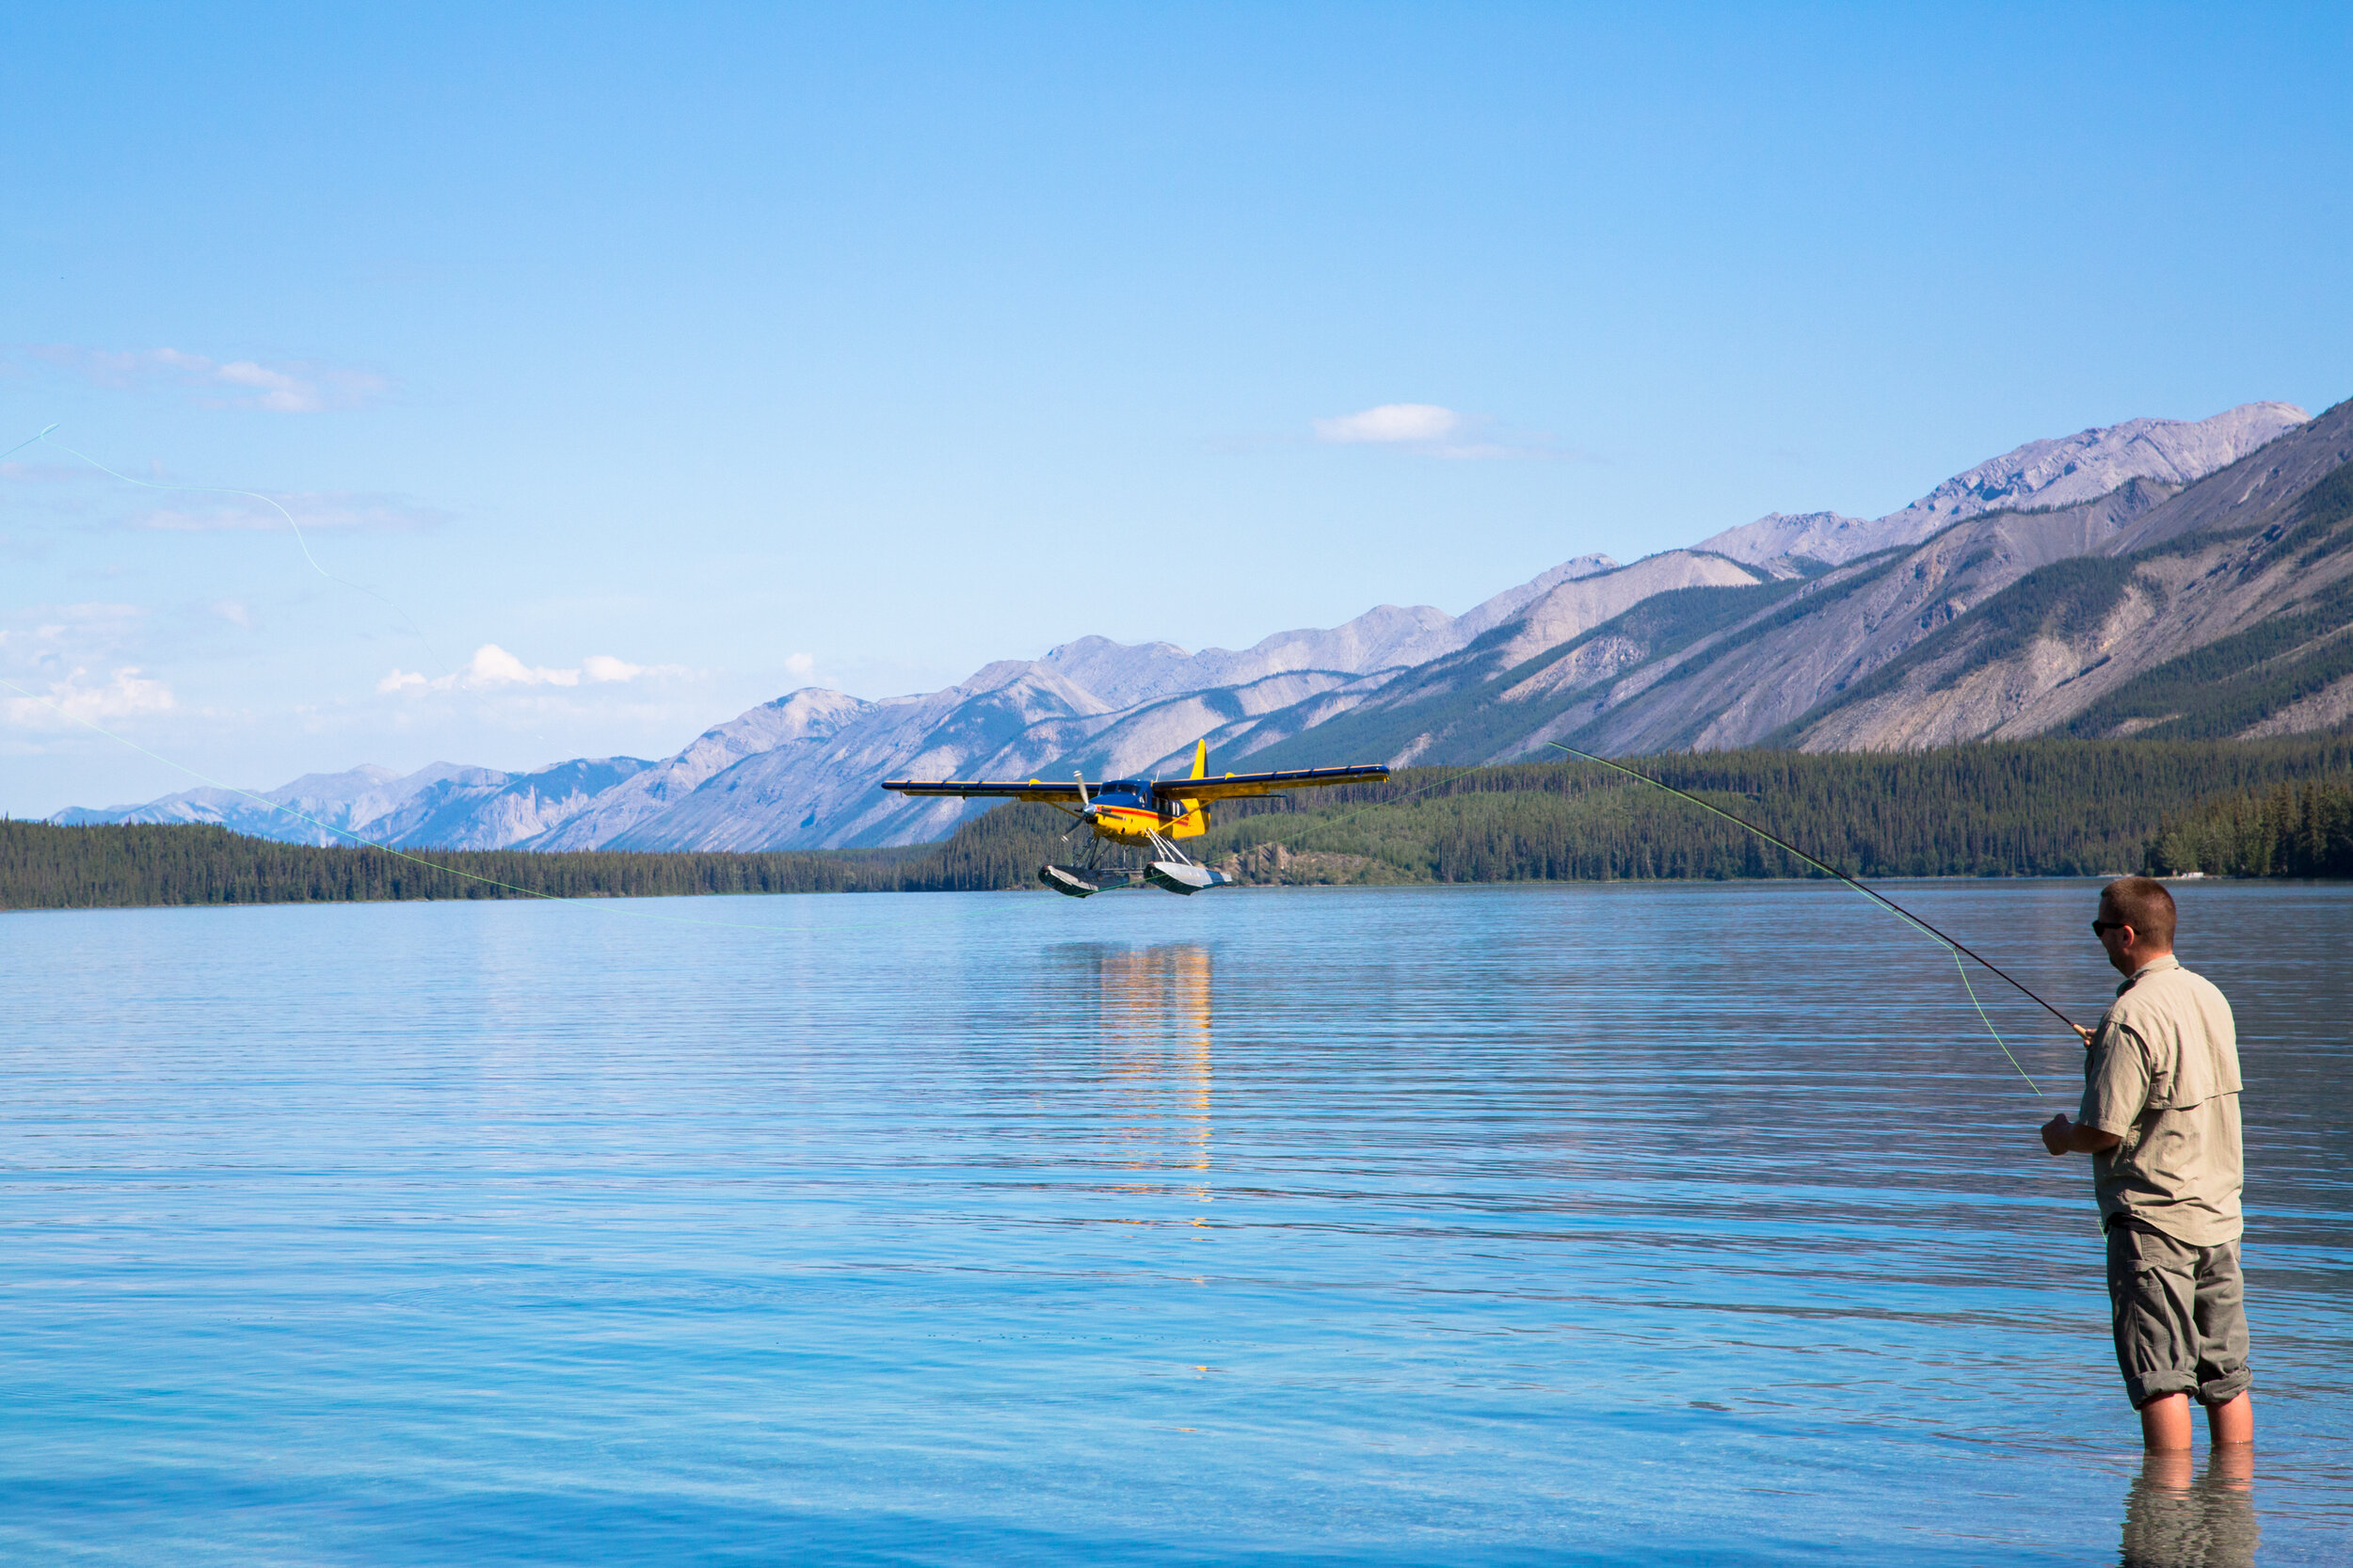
(2109, 583)
(2226, 610)
(2219, 608)
(2062, 472)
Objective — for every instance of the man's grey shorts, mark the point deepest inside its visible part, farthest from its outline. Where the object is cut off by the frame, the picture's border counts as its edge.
(2180, 1314)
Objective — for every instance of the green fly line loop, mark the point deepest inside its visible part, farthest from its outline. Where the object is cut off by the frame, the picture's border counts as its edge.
(1956, 949)
(301, 540)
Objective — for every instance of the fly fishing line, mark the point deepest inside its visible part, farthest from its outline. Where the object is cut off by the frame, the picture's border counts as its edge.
(1375, 806)
(300, 538)
(1956, 949)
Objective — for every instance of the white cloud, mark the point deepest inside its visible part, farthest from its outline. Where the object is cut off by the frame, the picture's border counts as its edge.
(276, 390)
(74, 701)
(318, 510)
(1390, 425)
(492, 667)
(1428, 430)
(289, 386)
(52, 637)
(603, 666)
(799, 664)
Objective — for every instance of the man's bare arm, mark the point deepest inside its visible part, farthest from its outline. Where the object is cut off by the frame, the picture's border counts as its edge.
(2062, 1136)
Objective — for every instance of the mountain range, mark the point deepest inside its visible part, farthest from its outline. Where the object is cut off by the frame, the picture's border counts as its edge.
(2158, 577)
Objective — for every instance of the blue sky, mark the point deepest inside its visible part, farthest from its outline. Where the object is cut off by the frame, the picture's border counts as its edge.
(686, 356)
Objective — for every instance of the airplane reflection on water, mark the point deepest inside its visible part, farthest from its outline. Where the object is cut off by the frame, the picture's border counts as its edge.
(1154, 1031)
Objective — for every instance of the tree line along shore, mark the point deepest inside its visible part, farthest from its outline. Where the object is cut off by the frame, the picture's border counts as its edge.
(2026, 808)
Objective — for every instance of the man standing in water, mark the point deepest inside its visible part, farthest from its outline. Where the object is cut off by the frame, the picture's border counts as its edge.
(2160, 1120)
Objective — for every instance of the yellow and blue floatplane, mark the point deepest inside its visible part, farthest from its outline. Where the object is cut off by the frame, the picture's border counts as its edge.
(1149, 815)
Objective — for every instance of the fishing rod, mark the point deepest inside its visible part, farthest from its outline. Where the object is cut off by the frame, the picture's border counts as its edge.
(1859, 886)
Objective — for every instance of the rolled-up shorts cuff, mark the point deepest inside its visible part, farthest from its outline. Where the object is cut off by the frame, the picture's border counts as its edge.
(2157, 1386)
(2222, 1390)
(2214, 1391)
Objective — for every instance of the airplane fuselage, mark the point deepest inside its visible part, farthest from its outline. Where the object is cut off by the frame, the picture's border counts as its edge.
(1126, 812)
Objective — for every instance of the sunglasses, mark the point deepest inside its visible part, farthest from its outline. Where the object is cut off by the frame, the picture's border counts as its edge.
(2099, 926)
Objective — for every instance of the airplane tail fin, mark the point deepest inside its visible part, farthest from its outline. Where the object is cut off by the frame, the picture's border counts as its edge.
(1201, 758)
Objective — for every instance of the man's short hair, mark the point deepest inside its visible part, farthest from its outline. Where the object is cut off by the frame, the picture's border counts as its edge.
(2142, 903)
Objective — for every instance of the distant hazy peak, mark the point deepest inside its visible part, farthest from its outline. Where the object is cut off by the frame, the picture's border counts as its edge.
(1387, 636)
(1823, 536)
(2061, 471)
(1493, 613)
(795, 715)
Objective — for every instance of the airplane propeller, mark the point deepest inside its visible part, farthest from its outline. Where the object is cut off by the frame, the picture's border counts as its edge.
(1087, 811)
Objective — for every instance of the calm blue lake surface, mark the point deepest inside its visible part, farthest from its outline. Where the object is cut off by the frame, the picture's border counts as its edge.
(1575, 1223)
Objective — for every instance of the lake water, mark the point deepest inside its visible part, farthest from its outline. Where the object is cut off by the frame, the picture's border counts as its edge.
(1578, 1224)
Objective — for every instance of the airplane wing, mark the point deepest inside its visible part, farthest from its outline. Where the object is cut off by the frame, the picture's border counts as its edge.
(1235, 785)
(1004, 789)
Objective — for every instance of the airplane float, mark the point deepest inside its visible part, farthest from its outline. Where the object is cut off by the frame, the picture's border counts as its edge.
(1148, 814)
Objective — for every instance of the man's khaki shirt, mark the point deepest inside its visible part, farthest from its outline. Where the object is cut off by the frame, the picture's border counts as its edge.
(2162, 1074)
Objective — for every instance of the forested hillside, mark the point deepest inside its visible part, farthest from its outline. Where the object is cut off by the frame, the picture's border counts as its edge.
(2299, 830)
(44, 866)
(2023, 808)
(2031, 809)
